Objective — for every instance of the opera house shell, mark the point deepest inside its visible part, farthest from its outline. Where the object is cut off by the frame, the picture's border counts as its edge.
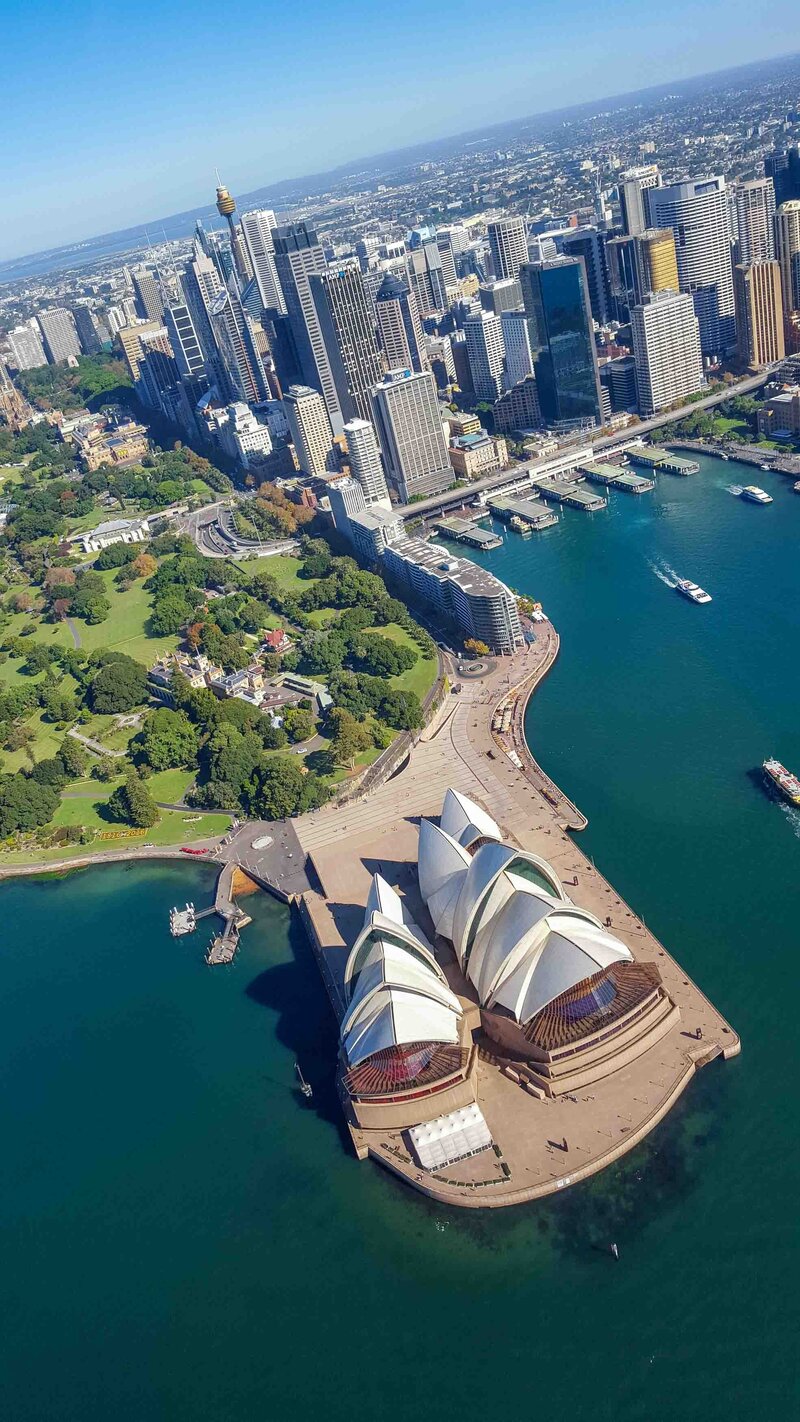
(534, 982)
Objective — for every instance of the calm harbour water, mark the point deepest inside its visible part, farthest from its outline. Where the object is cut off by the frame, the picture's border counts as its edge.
(183, 1239)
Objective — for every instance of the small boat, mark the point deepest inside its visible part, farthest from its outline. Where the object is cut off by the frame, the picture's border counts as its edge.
(796, 487)
(724, 456)
(691, 590)
(766, 467)
(782, 780)
(754, 495)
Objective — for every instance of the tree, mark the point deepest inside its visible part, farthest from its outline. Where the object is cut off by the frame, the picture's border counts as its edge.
(169, 614)
(348, 737)
(118, 686)
(400, 709)
(59, 704)
(144, 565)
(475, 647)
(24, 803)
(278, 788)
(133, 804)
(49, 772)
(299, 725)
(72, 757)
(167, 740)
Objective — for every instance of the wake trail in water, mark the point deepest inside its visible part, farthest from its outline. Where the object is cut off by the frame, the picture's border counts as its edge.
(793, 816)
(733, 488)
(663, 571)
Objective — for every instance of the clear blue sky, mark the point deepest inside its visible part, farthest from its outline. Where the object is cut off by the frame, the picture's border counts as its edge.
(116, 115)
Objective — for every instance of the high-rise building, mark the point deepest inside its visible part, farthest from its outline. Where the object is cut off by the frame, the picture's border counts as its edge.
(411, 435)
(518, 361)
(667, 351)
(201, 284)
(753, 220)
(310, 429)
(639, 264)
(226, 207)
(87, 331)
(183, 338)
(233, 334)
(27, 350)
(783, 167)
(634, 188)
(500, 296)
(399, 324)
(299, 257)
(426, 275)
(787, 232)
(137, 340)
(158, 373)
(244, 437)
(508, 245)
(697, 211)
(347, 322)
(447, 255)
(257, 230)
(518, 411)
(618, 377)
(759, 313)
(59, 334)
(590, 243)
(485, 353)
(562, 344)
(147, 292)
(365, 461)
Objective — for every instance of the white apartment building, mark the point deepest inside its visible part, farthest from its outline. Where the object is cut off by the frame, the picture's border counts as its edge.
(409, 428)
(485, 353)
(666, 348)
(310, 429)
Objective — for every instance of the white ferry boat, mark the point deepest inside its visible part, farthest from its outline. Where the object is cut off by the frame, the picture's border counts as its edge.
(691, 590)
(754, 495)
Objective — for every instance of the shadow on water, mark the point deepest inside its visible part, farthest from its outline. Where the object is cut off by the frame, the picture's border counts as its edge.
(306, 1023)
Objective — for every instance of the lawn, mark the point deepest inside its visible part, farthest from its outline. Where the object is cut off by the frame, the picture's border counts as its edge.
(122, 631)
(172, 829)
(422, 675)
(723, 424)
(170, 786)
(47, 743)
(284, 570)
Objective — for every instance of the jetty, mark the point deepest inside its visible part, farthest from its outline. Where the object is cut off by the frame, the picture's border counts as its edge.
(463, 530)
(570, 493)
(222, 948)
(616, 478)
(663, 460)
(529, 512)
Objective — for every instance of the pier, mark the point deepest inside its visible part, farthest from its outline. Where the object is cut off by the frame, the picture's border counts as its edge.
(571, 494)
(616, 478)
(663, 460)
(462, 530)
(527, 511)
(222, 948)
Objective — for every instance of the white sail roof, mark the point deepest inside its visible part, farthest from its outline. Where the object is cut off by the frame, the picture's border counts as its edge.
(394, 1017)
(442, 868)
(465, 821)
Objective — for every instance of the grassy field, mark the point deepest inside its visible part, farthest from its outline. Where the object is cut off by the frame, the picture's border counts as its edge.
(170, 786)
(172, 829)
(422, 675)
(724, 424)
(284, 570)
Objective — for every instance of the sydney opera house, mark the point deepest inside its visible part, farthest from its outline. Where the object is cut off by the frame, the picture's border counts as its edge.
(504, 968)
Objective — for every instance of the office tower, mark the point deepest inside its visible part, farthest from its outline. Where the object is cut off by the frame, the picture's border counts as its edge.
(257, 230)
(201, 284)
(787, 232)
(399, 324)
(656, 260)
(518, 360)
(59, 334)
(347, 322)
(147, 293)
(183, 338)
(87, 331)
(667, 350)
(562, 344)
(484, 335)
(759, 313)
(439, 352)
(618, 377)
(346, 499)
(365, 461)
(634, 187)
(518, 410)
(136, 340)
(508, 245)
(697, 211)
(589, 243)
(14, 408)
(409, 428)
(158, 372)
(116, 318)
(243, 436)
(310, 429)
(226, 207)
(427, 278)
(753, 220)
(783, 166)
(298, 257)
(367, 251)
(502, 295)
(25, 343)
(230, 324)
(447, 257)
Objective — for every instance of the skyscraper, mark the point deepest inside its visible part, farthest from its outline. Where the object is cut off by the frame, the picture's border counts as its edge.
(787, 231)
(136, 341)
(147, 292)
(518, 361)
(183, 338)
(759, 313)
(445, 244)
(427, 278)
(590, 243)
(409, 427)
(485, 353)
(399, 324)
(559, 321)
(347, 322)
(634, 188)
(201, 284)
(365, 462)
(226, 207)
(87, 331)
(640, 264)
(298, 257)
(783, 166)
(753, 220)
(508, 245)
(27, 350)
(697, 211)
(310, 429)
(59, 334)
(502, 295)
(257, 230)
(666, 348)
(230, 323)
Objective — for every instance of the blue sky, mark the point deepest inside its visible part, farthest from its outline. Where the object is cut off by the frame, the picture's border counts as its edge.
(116, 115)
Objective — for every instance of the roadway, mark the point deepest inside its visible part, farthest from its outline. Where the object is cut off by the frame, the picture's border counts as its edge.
(213, 532)
(455, 498)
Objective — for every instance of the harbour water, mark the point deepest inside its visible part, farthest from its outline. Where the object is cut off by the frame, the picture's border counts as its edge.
(185, 1239)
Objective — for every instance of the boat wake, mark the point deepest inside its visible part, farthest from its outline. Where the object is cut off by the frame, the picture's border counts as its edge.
(663, 571)
(793, 816)
(734, 489)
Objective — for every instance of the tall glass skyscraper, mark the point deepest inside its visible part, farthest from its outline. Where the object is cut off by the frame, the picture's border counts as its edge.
(555, 295)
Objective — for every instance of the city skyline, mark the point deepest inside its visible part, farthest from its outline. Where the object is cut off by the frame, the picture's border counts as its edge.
(134, 172)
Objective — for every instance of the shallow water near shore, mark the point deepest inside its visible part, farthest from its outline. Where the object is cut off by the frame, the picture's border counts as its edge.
(184, 1239)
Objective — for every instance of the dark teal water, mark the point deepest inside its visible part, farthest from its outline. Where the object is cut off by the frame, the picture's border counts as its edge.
(184, 1240)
